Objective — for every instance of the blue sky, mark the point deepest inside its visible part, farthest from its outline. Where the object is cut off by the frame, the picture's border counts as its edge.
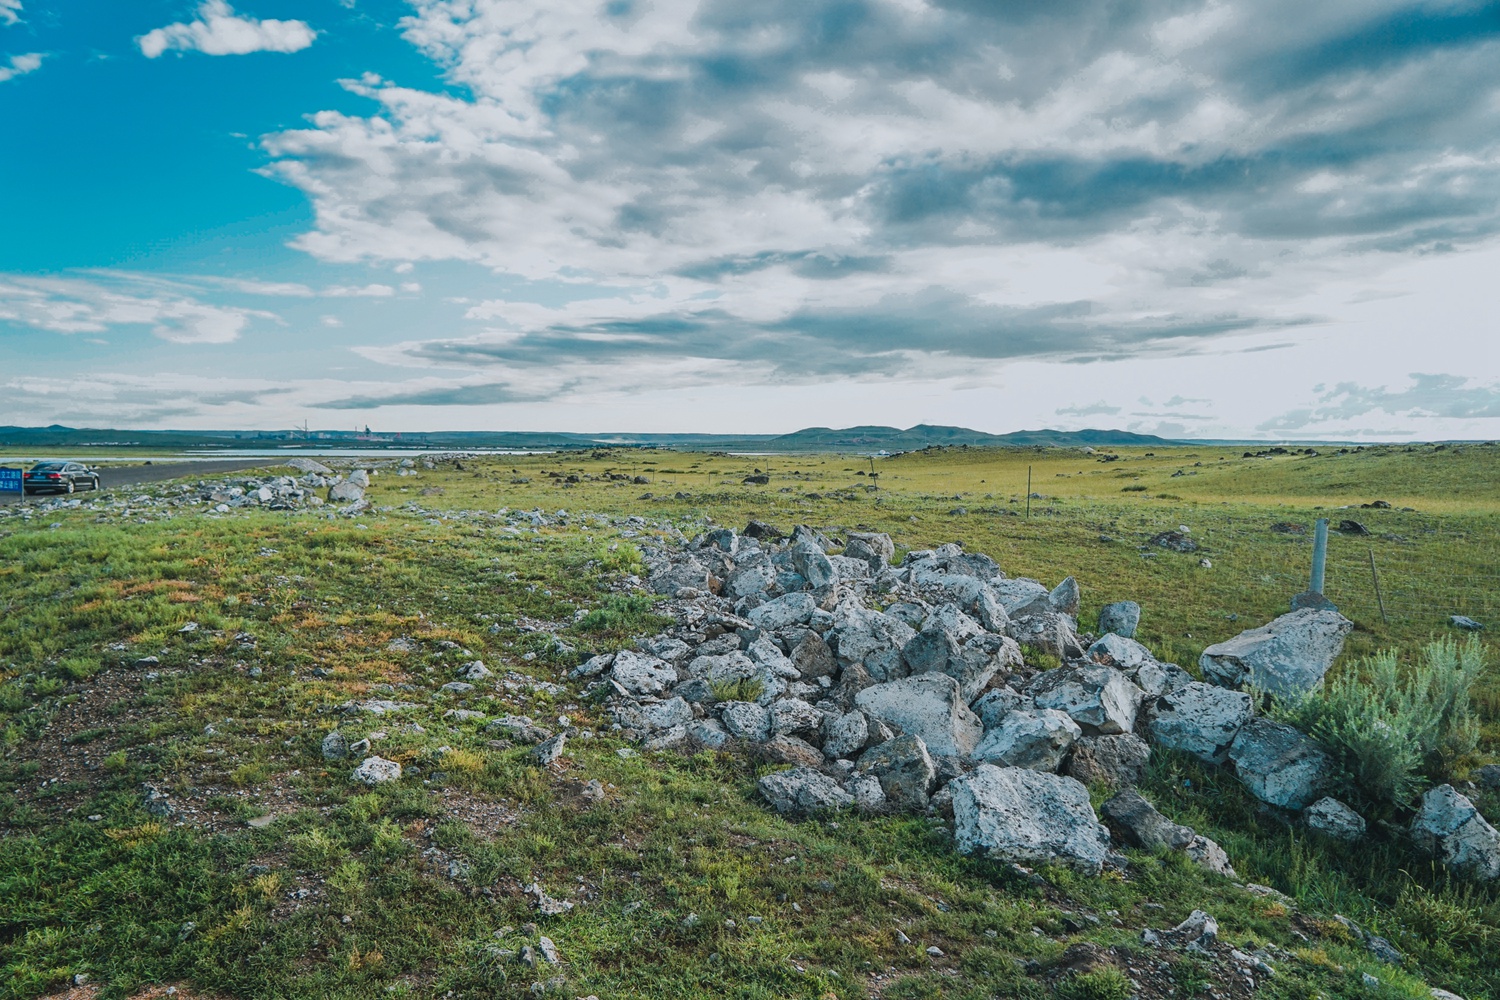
(1211, 219)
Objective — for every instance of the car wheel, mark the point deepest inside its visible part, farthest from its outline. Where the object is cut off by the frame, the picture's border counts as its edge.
(96, 483)
(71, 486)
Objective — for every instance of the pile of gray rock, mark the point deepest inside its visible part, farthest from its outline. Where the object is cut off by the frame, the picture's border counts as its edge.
(911, 687)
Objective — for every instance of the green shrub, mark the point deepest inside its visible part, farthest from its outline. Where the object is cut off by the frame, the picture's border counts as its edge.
(620, 558)
(740, 689)
(1392, 731)
(620, 613)
(1101, 984)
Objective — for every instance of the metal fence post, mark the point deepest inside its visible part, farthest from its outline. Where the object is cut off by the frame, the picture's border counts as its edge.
(1320, 555)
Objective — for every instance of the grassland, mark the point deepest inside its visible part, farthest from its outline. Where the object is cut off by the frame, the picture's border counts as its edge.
(683, 884)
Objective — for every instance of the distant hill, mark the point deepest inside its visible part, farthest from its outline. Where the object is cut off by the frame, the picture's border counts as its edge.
(925, 435)
(863, 438)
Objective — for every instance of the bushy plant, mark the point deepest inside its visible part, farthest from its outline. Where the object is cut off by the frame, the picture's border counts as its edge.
(1101, 984)
(739, 689)
(620, 613)
(1393, 730)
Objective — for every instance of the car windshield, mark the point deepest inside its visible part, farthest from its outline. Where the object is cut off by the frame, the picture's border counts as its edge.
(48, 467)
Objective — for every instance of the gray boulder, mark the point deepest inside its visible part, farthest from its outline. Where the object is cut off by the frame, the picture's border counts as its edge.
(360, 478)
(1286, 657)
(1029, 817)
(784, 611)
(791, 750)
(548, 752)
(519, 728)
(868, 795)
(377, 771)
(845, 735)
(1449, 828)
(1200, 719)
(1065, 597)
(802, 791)
(728, 668)
(346, 492)
(697, 691)
(335, 746)
(1112, 761)
(1037, 740)
(1122, 618)
(751, 577)
(928, 705)
(812, 658)
(1279, 764)
(847, 568)
(1101, 698)
(684, 573)
(950, 618)
(671, 738)
(972, 661)
(872, 639)
(813, 565)
(642, 675)
(709, 733)
(1047, 631)
(914, 615)
(795, 717)
(996, 703)
(803, 533)
(930, 651)
(1207, 854)
(1022, 596)
(307, 465)
(1124, 654)
(905, 770)
(663, 647)
(874, 548)
(1138, 823)
(767, 654)
(666, 714)
(746, 720)
(1157, 679)
(1332, 818)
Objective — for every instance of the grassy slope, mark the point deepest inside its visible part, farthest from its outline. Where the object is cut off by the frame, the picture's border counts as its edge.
(428, 872)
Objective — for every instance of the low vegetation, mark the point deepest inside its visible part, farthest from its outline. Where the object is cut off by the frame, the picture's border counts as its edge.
(275, 876)
(1395, 732)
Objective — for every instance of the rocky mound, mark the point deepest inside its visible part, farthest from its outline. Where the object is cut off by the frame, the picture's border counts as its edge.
(914, 687)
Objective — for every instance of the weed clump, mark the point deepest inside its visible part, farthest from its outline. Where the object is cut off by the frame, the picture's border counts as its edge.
(1101, 984)
(739, 689)
(620, 613)
(1392, 731)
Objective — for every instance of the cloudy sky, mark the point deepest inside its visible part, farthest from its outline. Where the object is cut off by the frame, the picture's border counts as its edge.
(1199, 219)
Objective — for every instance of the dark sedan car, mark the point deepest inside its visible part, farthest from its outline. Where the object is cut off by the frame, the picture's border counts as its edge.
(59, 477)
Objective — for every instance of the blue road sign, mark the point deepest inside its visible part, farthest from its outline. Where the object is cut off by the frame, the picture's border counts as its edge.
(10, 480)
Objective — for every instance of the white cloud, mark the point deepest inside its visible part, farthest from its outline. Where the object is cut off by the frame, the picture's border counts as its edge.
(220, 32)
(10, 11)
(732, 168)
(94, 305)
(359, 291)
(277, 289)
(20, 66)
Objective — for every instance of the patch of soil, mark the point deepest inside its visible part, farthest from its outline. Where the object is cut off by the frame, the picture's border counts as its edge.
(90, 992)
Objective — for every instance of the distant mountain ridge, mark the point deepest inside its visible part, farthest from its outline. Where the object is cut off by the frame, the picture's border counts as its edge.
(861, 438)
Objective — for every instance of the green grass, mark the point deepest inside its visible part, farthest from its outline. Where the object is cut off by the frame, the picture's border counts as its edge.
(431, 871)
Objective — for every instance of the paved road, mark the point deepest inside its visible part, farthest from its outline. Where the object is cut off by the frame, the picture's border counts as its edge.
(133, 474)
